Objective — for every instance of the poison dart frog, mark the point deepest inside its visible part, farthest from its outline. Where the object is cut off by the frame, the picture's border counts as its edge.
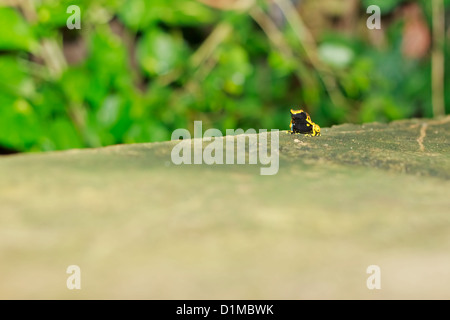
(301, 123)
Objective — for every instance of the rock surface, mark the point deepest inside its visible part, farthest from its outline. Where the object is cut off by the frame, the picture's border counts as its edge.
(139, 226)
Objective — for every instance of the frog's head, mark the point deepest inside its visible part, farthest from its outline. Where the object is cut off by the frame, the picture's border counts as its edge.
(300, 115)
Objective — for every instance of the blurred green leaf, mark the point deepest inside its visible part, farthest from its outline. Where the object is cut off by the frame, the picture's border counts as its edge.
(19, 125)
(281, 65)
(63, 135)
(234, 68)
(159, 52)
(16, 33)
(336, 55)
(15, 79)
(386, 6)
(142, 14)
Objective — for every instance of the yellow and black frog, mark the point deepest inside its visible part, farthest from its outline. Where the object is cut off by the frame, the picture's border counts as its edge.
(301, 123)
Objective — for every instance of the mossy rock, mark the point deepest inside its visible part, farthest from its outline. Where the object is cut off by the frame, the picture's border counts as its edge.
(140, 227)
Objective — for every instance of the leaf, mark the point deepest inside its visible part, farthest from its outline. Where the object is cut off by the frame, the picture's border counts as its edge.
(109, 111)
(386, 6)
(336, 55)
(19, 35)
(143, 14)
(19, 125)
(15, 78)
(159, 52)
(63, 135)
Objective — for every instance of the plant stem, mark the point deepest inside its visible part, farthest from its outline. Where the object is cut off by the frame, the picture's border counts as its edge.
(308, 43)
(437, 58)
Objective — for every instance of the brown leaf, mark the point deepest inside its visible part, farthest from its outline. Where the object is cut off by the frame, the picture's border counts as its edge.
(416, 33)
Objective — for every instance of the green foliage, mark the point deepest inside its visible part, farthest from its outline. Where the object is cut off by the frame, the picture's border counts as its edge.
(386, 6)
(159, 52)
(19, 35)
(151, 66)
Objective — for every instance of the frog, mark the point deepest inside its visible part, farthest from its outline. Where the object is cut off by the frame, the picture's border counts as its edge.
(301, 123)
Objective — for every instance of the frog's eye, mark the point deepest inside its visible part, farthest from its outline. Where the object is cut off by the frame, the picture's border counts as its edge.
(316, 128)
